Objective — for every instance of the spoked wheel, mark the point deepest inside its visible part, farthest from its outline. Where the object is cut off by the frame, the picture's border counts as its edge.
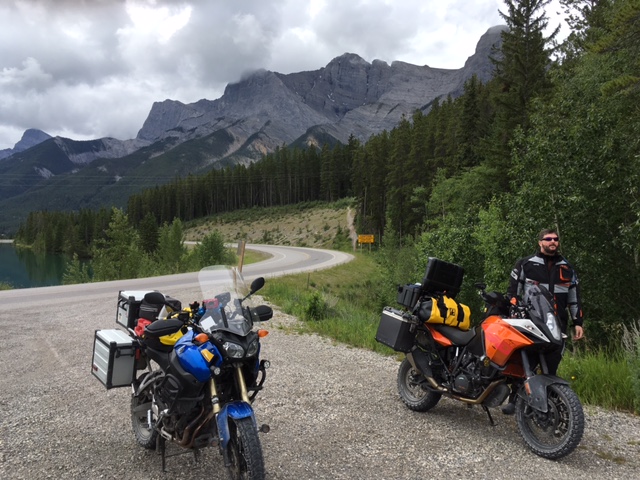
(413, 390)
(557, 432)
(140, 405)
(245, 451)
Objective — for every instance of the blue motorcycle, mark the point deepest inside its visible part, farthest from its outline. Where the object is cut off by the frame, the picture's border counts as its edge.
(202, 370)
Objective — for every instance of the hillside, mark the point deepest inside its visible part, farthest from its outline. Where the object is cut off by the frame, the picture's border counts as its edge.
(306, 225)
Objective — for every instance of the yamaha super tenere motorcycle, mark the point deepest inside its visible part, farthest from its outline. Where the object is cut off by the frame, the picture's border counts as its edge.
(482, 365)
(201, 373)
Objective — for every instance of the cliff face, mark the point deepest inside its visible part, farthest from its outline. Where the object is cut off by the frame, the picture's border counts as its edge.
(349, 96)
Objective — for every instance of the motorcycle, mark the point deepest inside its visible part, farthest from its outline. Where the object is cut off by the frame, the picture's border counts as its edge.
(200, 372)
(483, 365)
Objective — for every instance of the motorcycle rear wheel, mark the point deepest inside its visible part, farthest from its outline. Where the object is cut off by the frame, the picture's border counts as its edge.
(146, 435)
(557, 432)
(411, 390)
(245, 451)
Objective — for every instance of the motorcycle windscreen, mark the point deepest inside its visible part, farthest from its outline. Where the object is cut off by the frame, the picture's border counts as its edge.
(223, 289)
(501, 340)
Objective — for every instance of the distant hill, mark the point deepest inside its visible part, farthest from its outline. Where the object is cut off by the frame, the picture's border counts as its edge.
(262, 111)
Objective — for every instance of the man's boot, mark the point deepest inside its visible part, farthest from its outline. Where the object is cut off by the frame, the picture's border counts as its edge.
(510, 407)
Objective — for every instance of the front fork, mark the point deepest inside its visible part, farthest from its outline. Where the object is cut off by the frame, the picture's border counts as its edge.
(535, 385)
(236, 410)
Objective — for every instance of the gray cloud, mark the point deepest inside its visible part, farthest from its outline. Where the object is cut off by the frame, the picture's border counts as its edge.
(92, 68)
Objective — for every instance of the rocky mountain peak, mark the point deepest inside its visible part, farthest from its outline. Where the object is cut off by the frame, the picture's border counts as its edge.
(30, 138)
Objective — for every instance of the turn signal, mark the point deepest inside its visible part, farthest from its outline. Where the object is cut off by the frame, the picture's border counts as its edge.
(201, 338)
(263, 333)
(208, 356)
(514, 300)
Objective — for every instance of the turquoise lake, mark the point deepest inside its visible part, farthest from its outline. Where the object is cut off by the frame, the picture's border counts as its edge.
(22, 268)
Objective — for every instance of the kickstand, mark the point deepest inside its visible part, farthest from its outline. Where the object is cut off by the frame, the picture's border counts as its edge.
(196, 455)
(486, 409)
(161, 449)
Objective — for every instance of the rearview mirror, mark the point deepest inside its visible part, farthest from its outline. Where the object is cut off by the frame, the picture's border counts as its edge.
(257, 284)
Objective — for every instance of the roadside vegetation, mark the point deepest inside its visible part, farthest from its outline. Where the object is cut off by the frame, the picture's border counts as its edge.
(125, 252)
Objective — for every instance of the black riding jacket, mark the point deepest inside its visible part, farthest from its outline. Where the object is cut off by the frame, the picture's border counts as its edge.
(555, 274)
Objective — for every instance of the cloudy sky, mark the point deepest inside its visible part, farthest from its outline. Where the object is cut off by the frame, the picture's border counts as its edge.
(86, 69)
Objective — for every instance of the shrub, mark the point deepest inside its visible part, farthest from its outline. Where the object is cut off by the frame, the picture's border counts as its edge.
(631, 343)
(316, 308)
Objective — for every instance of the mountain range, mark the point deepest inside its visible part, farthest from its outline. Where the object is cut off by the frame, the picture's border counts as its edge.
(262, 111)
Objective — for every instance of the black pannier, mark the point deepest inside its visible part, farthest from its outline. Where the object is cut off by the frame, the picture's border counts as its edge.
(395, 330)
(408, 295)
(442, 277)
(150, 311)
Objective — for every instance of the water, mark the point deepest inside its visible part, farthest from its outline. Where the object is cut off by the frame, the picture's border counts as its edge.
(22, 268)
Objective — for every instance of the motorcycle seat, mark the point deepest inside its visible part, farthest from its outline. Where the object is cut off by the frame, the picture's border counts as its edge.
(457, 336)
(160, 328)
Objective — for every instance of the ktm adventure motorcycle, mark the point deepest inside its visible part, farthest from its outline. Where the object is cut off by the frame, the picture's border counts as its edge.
(482, 365)
(202, 370)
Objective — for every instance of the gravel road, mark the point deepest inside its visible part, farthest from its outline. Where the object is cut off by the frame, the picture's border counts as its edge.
(333, 411)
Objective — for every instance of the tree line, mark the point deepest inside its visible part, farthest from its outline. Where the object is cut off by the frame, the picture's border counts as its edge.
(551, 141)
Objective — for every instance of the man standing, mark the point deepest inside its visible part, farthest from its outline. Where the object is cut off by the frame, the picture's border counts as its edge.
(551, 270)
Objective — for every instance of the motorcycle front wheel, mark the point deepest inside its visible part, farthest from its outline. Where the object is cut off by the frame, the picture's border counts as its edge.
(557, 432)
(146, 435)
(245, 451)
(413, 392)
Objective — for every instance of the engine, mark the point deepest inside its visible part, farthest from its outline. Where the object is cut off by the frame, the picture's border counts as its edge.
(468, 378)
(463, 384)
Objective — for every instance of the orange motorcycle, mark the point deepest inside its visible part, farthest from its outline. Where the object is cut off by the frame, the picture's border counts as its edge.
(483, 365)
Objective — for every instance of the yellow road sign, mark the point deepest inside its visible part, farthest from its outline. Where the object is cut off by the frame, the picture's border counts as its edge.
(366, 239)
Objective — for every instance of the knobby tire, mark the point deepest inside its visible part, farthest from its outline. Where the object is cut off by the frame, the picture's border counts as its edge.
(245, 451)
(412, 392)
(146, 435)
(557, 432)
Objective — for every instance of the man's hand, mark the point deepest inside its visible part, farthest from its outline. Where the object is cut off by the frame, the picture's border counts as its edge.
(579, 333)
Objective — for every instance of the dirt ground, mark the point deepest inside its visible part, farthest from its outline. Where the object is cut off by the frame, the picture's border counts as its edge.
(317, 227)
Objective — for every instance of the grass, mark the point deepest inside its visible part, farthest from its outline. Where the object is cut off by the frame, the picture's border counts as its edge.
(600, 378)
(344, 304)
(253, 256)
(335, 303)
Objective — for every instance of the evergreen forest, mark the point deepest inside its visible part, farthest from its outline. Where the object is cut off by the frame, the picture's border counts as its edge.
(552, 141)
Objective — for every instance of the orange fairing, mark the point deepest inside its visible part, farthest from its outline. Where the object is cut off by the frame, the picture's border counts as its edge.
(438, 337)
(501, 339)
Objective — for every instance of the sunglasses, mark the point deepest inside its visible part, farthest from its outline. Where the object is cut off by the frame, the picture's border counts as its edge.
(550, 239)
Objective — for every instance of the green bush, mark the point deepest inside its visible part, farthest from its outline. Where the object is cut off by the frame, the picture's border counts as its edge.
(316, 308)
(631, 343)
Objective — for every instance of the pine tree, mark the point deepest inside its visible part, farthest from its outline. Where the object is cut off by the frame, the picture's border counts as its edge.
(521, 74)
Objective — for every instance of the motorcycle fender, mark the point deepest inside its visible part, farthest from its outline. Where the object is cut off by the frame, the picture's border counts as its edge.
(536, 390)
(420, 362)
(235, 410)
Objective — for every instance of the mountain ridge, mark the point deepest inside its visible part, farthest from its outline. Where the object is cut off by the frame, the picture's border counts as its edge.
(262, 111)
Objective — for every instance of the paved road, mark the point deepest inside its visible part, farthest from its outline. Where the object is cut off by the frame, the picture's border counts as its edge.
(283, 261)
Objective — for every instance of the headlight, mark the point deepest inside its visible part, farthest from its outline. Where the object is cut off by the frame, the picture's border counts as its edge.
(233, 349)
(552, 325)
(253, 348)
